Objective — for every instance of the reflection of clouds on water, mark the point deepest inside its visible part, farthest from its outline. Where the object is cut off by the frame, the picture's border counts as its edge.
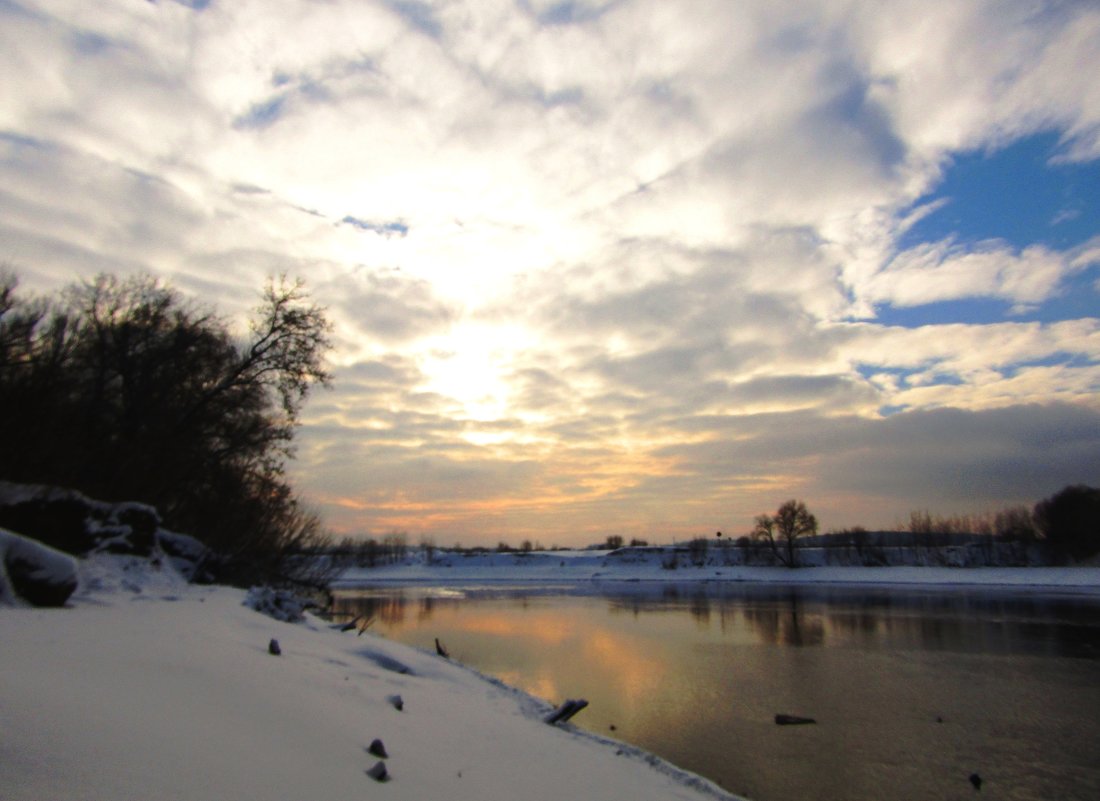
(541, 685)
(617, 659)
(546, 628)
(627, 662)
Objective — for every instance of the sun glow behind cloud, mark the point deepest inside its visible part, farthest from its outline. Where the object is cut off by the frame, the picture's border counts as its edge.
(604, 267)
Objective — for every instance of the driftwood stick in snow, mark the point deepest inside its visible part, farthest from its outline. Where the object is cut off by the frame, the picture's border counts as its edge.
(792, 720)
(351, 624)
(439, 649)
(567, 710)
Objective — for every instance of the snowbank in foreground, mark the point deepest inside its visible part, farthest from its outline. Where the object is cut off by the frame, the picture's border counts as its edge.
(146, 687)
(651, 565)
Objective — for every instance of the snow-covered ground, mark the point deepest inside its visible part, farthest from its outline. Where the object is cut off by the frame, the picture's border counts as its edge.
(146, 687)
(590, 569)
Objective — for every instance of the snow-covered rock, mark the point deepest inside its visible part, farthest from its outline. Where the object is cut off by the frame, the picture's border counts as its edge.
(69, 521)
(33, 572)
(74, 523)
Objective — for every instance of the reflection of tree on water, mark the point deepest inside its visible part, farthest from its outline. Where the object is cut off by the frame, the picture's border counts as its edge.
(698, 601)
(700, 607)
(784, 621)
(938, 620)
(635, 603)
(859, 623)
(389, 610)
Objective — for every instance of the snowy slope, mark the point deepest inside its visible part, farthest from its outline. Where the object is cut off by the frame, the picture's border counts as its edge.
(146, 687)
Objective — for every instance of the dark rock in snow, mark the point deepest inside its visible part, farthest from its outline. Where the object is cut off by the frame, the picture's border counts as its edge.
(377, 749)
(397, 701)
(273, 648)
(379, 772)
(40, 575)
(792, 720)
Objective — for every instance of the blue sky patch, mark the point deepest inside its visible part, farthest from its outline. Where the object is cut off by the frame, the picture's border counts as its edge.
(387, 229)
(1019, 194)
(973, 311)
(1022, 195)
(419, 15)
(261, 115)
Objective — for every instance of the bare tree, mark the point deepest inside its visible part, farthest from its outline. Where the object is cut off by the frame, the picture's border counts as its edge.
(780, 532)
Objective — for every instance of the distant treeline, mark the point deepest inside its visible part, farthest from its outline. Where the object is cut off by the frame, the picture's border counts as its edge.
(1061, 529)
(1064, 528)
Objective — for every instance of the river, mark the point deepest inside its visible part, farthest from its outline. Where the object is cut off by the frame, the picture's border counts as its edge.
(913, 692)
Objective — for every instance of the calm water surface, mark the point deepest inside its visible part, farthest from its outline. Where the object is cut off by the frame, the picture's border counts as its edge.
(912, 691)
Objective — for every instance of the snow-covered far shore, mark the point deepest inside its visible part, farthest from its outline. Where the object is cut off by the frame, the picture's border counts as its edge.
(588, 570)
(147, 687)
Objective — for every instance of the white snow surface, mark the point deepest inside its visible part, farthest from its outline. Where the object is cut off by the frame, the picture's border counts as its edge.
(593, 569)
(146, 687)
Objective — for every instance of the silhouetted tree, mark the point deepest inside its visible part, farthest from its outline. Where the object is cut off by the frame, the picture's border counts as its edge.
(780, 532)
(1070, 521)
(126, 391)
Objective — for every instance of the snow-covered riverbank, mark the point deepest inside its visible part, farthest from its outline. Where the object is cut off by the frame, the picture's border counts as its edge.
(582, 569)
(147, 687)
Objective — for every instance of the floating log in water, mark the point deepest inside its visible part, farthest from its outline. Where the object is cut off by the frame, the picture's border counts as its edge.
(792, 720)
(566, 711)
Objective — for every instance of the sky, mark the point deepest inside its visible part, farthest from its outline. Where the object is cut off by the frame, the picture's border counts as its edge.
(604, 267)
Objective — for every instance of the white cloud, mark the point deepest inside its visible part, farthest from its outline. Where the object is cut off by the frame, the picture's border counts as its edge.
(621, 223)
(942, 271)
